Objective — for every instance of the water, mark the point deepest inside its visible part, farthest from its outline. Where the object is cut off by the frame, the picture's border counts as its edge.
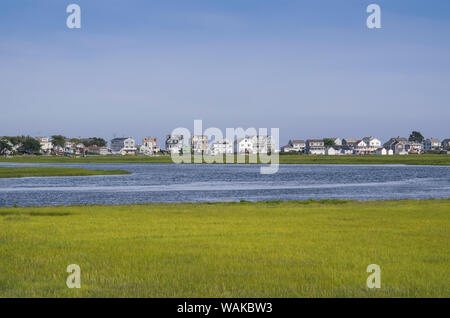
(196, 183)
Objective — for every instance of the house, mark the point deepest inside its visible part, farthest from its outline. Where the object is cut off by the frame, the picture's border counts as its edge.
(149, 146)
(294, 145)
(414, 147)
(245, 145)
(46, 144)
(332, 151)
(221, 147)
(400, 148)
(264, 144)
(390, 144)
(445, 144)
(431, 144)
(123, 146)
(199, 143)
(315, 146)
(337, 141)
(360, 148)
(372, 143)
(349, 142)
(103, 151)
(345, 150)
(174, 143)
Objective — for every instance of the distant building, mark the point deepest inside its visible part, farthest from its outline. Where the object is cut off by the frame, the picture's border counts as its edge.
(315, 146)
(245, 146)
(337, 141)
(360, 148)
(46, 144)
(349, 142)
(174, 143)
(372, 143)
(390, 144)
(221, 147)
(103, 151)
(199, 143)
(431, 144)
(294, 145)
(332, 151)
(123, 146)
(264, 144)
(149, 146)
(445, 144)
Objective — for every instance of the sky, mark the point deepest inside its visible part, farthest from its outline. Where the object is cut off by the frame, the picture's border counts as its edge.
(143, 68)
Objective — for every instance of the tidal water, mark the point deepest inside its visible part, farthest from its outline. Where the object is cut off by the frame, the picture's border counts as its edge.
(197, 183)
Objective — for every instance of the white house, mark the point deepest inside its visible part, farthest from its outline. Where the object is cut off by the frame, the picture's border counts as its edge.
(337, 141)
(199, 143)
(46, 144)
(431, 144)
(245, 146)
(361, 148)
(372, 143)
(331, 151)
(221, 147)
(174, 143)
(264, 144)
(123, 146)
(149, 146)
(315, 146)
(294, 145)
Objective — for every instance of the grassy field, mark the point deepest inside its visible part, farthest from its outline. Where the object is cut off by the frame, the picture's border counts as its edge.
(428, 159)
(20, 172)
(271, 249)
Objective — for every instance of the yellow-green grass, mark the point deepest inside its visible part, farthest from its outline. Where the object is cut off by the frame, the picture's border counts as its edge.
(271, 249)
(21, 172)
(427, 159)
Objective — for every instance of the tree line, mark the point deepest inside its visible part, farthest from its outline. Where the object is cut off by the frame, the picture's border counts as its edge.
(30, 145)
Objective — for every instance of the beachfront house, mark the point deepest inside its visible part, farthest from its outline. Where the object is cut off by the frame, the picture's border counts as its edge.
(372, 143)
(123, 146)
(349, 142)
(46, 144)
(221, 147)
(332, 151)
(337, 141)
(445, 144)
(199, 143)
(315, 146)
(149, 146)
(245, 145)
(264, 144)
(431, 144)
(174, 143)
(294, 145)
(360, 148)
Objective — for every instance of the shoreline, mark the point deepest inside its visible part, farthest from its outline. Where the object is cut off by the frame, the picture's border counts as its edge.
(306, 202)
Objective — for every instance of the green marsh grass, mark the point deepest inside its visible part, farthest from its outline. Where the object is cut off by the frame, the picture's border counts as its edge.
(264, 249)
(21, 172)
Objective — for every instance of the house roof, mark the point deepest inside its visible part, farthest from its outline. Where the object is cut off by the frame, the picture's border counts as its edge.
(297, 141)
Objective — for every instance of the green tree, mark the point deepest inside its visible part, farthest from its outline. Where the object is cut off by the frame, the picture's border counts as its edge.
(328, 142)
(58, 140)
(30, 145)
(416, 136)
(94, 141)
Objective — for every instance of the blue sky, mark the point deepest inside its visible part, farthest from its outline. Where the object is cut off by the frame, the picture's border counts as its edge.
(142, 68)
